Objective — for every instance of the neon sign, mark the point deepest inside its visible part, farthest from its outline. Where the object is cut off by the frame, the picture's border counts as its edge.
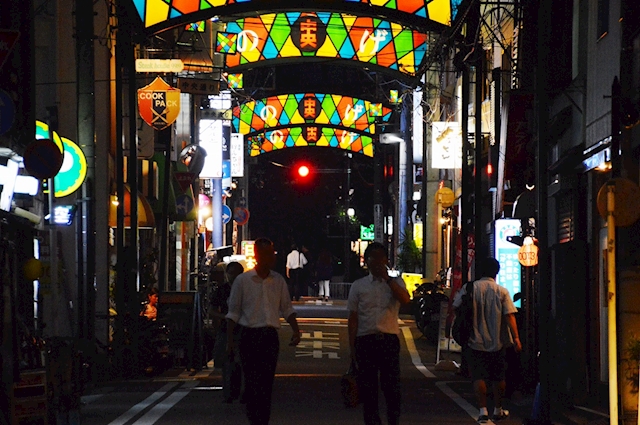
(74, 166)
(163, 14)
(306, 108)
(311, 135)
(292, 35)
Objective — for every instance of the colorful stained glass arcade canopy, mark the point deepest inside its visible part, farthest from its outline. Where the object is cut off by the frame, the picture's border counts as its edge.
(312, 135)
(291, 36)
(157, 15)
(349, 113)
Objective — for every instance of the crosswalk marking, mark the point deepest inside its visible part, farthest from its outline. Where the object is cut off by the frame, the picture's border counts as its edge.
(160, 409)
(129, 414)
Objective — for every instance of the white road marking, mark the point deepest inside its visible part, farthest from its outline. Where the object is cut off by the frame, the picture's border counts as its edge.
(464, 404)
(152, 416)
(415, 356)
(126, 416)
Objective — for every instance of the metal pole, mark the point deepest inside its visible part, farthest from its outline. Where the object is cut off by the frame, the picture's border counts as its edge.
(86, 140)
(164, 139)
(378, 216)
(611, 306)
(424, 187)
(544, 11)
(120, 270)
(478, 224)
(132, 176)
(467, 205)
(347, 239)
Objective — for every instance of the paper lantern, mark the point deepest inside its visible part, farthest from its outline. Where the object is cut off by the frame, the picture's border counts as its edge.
(32, 269)
(528, 255)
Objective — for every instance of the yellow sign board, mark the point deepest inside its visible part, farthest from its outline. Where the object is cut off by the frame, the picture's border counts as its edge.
(413, 280)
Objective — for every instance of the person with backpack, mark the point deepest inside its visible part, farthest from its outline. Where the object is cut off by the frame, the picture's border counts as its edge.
(494, 329)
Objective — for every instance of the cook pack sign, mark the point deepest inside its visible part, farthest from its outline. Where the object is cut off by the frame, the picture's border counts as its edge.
(159, 104)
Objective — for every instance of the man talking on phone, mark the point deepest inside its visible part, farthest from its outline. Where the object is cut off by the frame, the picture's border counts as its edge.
(374, 303)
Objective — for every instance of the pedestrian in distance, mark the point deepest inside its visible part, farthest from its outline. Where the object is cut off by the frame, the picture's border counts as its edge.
(151, 308)
(373, 304)
(324, 273)
(295, 265)
(229, 362)
(259, 297)
(494, 329)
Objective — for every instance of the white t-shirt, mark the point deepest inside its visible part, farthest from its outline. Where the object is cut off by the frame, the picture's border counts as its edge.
(375, 304)
(255, 302)
(490, 303)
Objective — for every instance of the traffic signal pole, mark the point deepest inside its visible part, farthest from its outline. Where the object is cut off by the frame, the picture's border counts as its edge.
(543, 414)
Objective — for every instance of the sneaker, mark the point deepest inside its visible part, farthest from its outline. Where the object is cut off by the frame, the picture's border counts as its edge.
(483, 419)
(503, 415)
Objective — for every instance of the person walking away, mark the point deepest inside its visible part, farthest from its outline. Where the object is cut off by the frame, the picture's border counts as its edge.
(494, 329)
(295, 264)
(324, 273)
(258, 298)
(373, 304)
(228, 362)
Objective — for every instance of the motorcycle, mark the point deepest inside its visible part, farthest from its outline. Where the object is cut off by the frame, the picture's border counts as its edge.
(426, 308)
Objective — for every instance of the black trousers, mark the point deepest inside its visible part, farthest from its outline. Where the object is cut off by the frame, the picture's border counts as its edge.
(379, 356)
(296, 284)
(259, 348)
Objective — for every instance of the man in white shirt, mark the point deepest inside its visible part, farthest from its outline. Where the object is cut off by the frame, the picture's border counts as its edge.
(374, 303)
(258, 299)
(494, 328)
(295, 263)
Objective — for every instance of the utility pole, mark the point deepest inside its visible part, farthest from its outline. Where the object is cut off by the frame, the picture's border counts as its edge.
(544, 10)
(85, 230)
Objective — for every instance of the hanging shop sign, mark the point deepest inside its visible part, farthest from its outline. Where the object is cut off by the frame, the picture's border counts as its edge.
(159, 104)
(528, 255)
(73, 170)
(159, 65)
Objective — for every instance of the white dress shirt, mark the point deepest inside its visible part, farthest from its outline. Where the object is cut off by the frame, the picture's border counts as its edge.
(375, 304)
(255, 302)
(296, 260)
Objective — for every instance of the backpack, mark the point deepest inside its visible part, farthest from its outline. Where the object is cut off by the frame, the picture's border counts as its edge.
(463, 324)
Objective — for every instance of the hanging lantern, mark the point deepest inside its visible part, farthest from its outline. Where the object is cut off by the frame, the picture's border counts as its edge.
(528, 253)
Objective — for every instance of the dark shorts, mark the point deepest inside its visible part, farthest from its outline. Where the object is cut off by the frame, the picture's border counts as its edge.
(489, 366)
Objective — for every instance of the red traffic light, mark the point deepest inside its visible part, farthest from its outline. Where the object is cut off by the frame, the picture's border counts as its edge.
(303, 171)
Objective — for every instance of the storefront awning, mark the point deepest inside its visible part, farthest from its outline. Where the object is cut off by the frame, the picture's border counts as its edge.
(146, 219)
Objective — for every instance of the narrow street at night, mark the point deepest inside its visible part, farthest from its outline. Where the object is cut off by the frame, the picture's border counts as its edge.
(306, 389)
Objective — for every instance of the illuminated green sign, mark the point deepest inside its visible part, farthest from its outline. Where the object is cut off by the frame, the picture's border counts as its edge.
(367, 233)
(311, 135)
(307, 108)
